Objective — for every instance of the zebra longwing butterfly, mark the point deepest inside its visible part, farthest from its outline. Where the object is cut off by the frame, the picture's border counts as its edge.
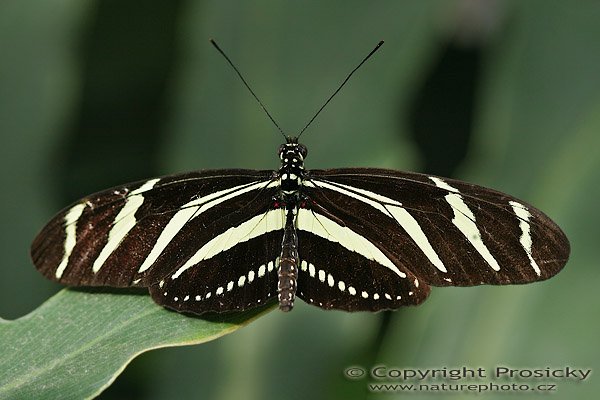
(354, 239)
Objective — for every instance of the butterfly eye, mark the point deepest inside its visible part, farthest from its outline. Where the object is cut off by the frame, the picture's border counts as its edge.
(280, 150)
(303, 150)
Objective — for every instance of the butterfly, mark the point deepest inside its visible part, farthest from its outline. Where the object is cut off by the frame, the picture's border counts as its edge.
(353, 239)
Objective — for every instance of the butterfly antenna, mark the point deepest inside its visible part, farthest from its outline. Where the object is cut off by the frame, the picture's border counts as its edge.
(248, 86)
(342, 85)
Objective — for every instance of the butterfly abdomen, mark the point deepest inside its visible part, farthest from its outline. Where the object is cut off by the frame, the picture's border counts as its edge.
(288, 263)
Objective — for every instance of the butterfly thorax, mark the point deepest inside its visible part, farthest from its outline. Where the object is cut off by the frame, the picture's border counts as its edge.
(291, 172)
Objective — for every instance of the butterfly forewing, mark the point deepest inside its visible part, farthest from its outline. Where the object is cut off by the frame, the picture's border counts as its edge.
(445, 231)
(136, 234)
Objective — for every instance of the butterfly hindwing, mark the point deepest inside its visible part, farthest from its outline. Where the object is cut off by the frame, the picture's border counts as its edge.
(238, 278)
(331, 276)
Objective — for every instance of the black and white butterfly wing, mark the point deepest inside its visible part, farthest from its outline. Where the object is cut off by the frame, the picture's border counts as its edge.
(138, 234)
(339, 270)
(445, 232)
(233, 271)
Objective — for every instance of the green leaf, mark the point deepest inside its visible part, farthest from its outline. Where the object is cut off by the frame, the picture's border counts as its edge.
(77, 342)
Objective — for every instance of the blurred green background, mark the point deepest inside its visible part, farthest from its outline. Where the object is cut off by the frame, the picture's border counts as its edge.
(502, 93)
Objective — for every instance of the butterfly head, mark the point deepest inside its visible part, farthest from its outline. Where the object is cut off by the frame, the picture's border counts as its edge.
(292, 150)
